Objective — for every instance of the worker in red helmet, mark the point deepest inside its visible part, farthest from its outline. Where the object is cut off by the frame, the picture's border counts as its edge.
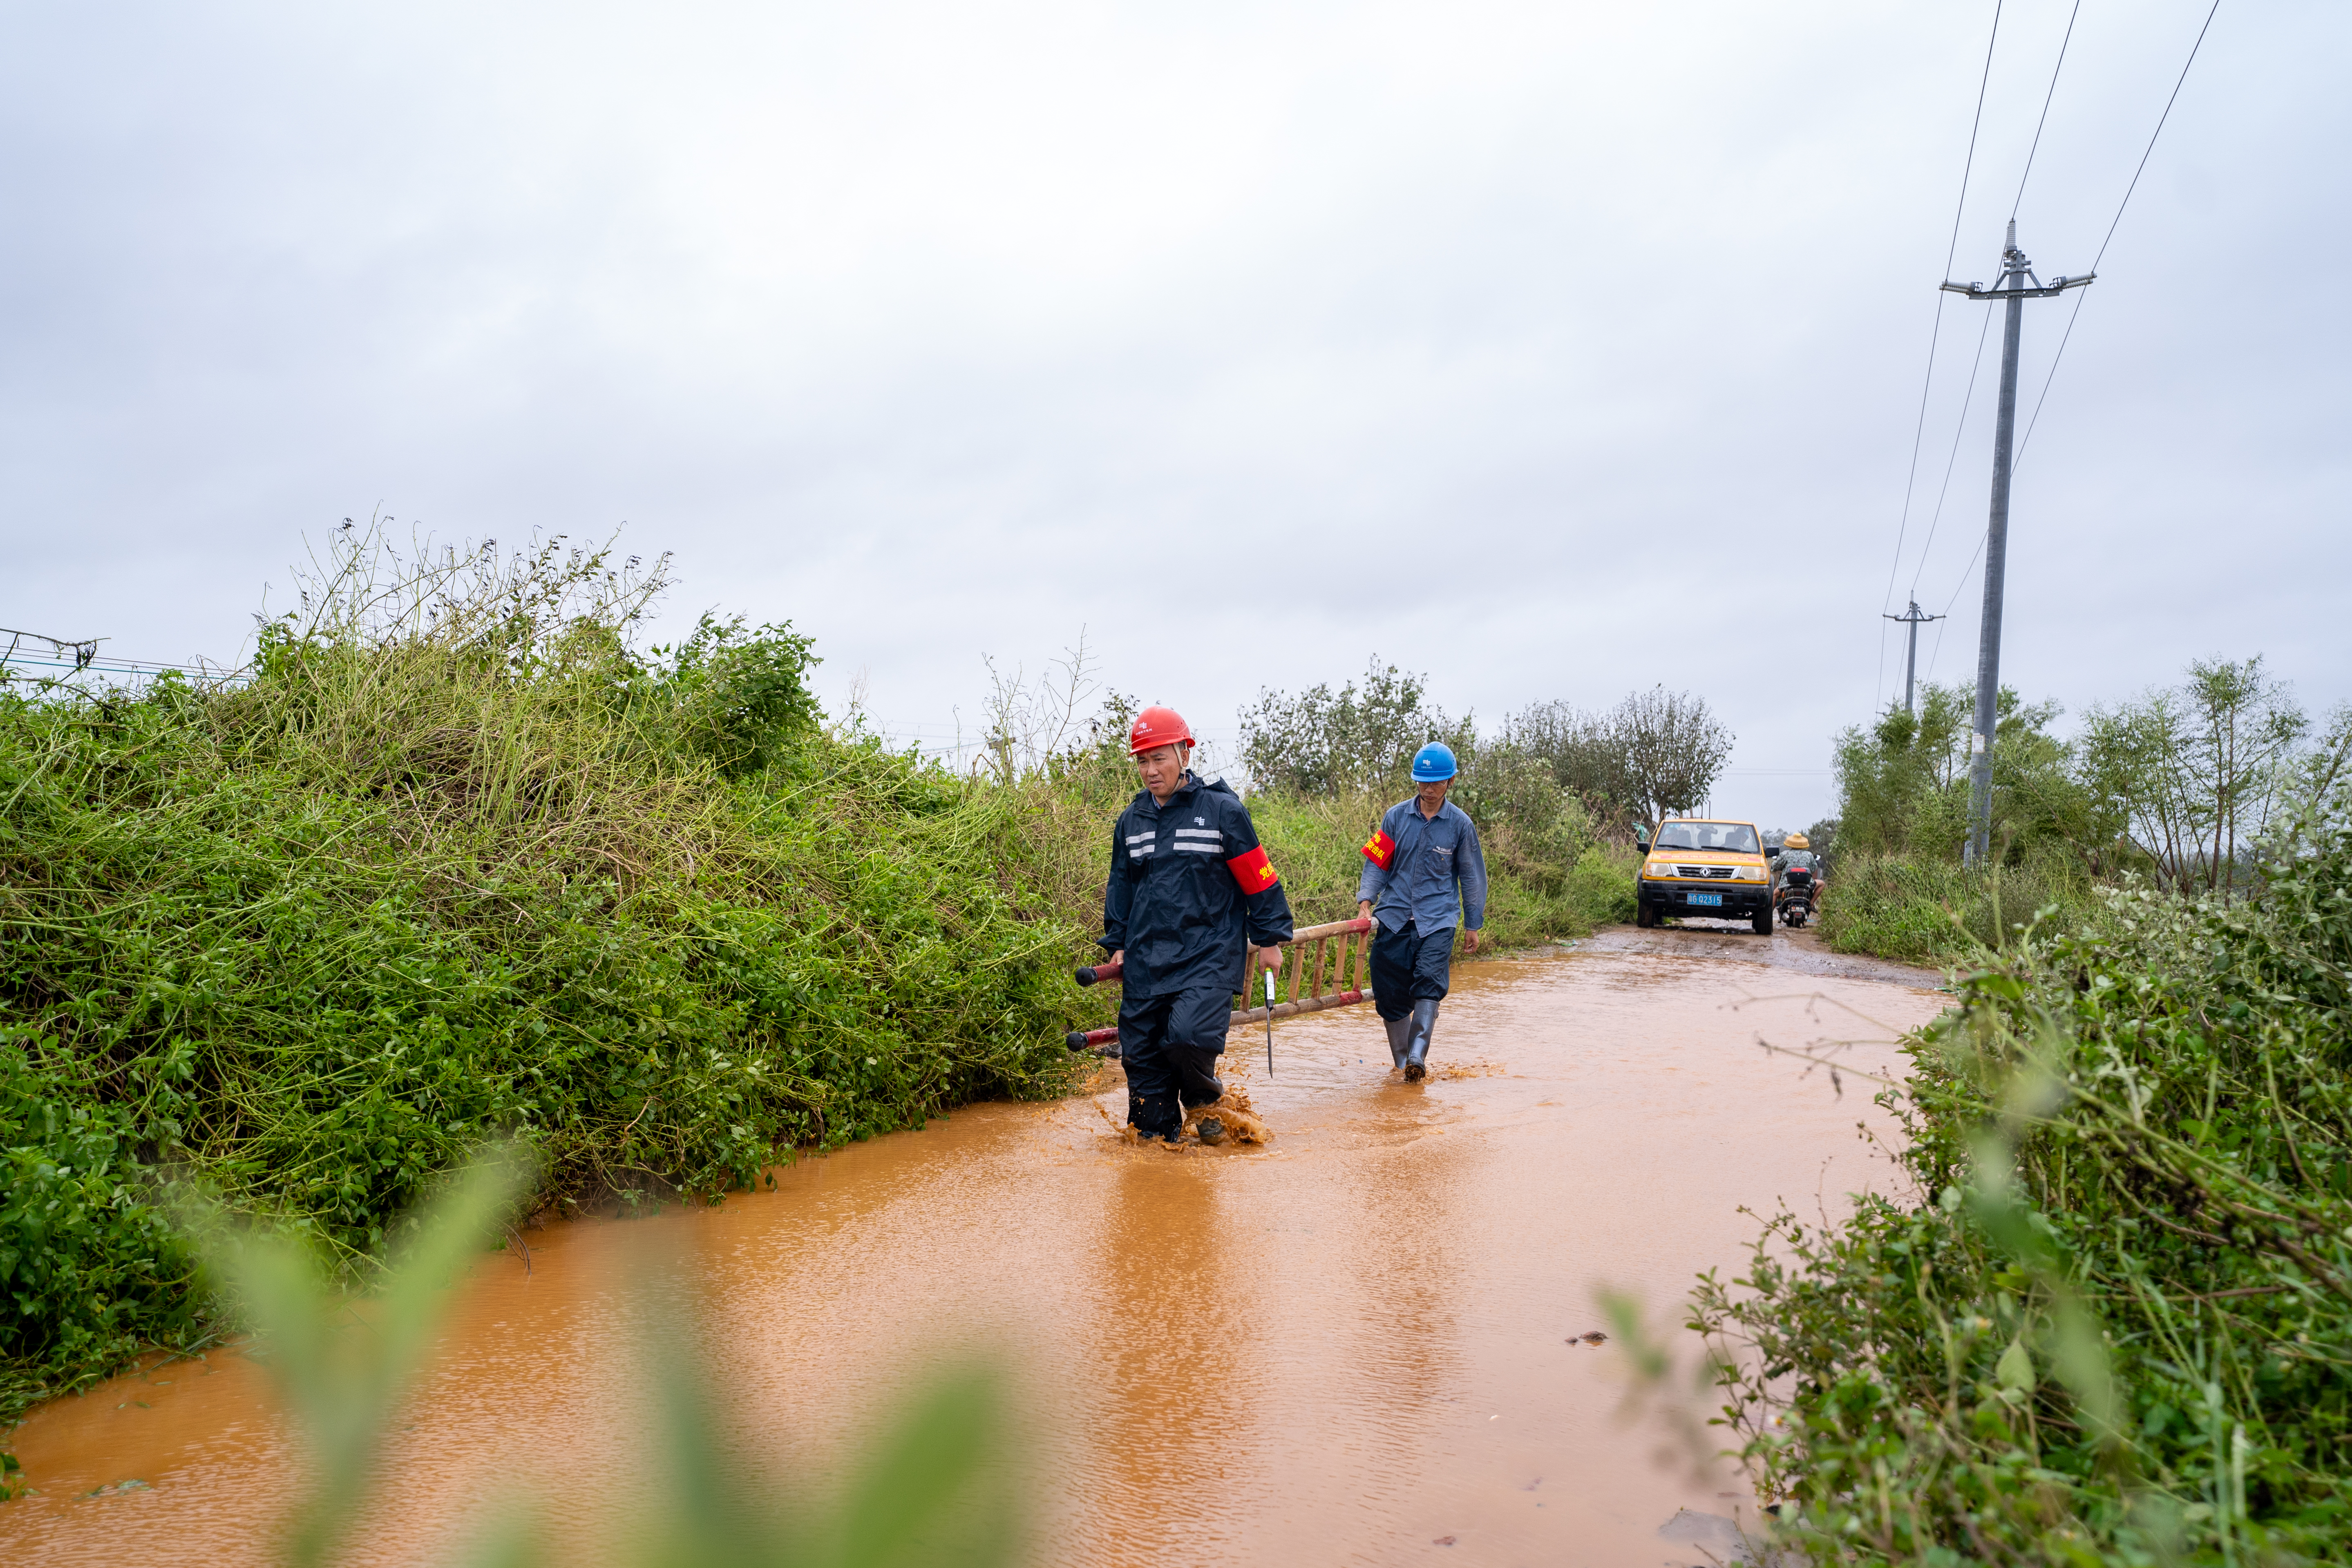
(1191, 892)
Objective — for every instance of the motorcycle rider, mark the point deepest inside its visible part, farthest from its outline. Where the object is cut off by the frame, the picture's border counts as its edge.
(1191, 891)
(1423, 857)
(1796, 850)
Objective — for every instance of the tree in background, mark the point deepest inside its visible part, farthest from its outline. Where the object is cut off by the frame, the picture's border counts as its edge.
(1579, 750)
(2194, 772)
(1903, 784)
(1656, 753)
(1896, 780)
(1322, 741)
(1323, 764)
(1675, 749)
(2182, 782)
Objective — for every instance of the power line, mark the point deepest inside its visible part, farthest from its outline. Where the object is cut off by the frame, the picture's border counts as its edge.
(2137, 172)
(80, 655)
(2154, 134)
(84, 648)
(1936, 332)
(1967, 399)
(2063, 338)
(1977, 368)
(85, 657)
(1936, 651)
(2116, 223)
(2038, 124)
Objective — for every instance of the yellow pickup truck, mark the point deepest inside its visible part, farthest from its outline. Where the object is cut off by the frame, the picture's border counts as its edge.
(1699, 866)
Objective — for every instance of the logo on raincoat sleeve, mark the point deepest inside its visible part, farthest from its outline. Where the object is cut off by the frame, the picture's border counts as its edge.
(1379, 849)
(1253, 872)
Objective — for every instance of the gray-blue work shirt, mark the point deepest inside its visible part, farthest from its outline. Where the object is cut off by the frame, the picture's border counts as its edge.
(1426, 860)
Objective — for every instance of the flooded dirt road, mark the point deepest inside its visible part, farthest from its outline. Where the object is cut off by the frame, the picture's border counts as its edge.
(1348, 1346)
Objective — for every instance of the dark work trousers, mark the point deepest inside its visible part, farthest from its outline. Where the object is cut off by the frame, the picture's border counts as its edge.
(1169, 1046)
(1409, 966)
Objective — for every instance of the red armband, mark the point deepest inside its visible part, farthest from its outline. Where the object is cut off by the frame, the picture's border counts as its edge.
(1379, 849)
(1253, 872)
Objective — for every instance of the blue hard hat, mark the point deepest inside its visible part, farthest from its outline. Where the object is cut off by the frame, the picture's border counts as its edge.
(1433, 762)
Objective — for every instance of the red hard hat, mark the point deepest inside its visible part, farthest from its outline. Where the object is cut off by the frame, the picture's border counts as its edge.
(1157, 727)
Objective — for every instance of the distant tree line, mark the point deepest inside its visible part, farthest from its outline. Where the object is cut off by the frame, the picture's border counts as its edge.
(1656, 753)
(2182, 783)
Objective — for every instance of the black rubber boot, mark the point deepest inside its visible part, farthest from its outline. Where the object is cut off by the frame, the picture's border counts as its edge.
(1416, 1056)
(1156, 1116)
(1399, 1037)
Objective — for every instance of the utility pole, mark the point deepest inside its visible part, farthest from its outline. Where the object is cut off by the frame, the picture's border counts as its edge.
(2017, 285)
(1914, 620)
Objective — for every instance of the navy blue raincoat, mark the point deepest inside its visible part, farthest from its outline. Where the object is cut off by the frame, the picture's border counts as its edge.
(1191, 891)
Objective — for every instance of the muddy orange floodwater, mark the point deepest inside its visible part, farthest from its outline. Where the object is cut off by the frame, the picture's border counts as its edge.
(1344, 1347)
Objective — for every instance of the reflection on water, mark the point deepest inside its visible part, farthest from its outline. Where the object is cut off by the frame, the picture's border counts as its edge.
(1340, 1347)
(1178, 1364)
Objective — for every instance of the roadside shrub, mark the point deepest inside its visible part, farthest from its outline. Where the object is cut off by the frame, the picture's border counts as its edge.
(453, 862)
(1934, 911)
(90, 1271)
(1601, 887)
(1529, 827)
(2113, 1321)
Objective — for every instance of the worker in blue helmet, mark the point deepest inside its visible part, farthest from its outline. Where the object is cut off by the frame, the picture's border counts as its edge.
(1422, 875)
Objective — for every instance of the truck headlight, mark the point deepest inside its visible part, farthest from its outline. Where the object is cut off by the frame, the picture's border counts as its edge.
(1748, 874)
(1657, 869)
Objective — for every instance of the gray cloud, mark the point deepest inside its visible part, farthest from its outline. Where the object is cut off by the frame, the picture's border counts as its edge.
(1551, 351)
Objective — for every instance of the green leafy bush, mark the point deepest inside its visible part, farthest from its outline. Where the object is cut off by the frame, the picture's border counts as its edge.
(1925, 910)
(1903, 784)
(1601, 886)
(453, 862)
(2114, 1322)
(90, 1271)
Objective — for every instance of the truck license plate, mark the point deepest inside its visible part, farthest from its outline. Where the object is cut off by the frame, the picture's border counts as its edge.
(1706, 898)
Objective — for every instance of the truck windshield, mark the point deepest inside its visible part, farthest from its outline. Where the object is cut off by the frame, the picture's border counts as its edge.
(1734, 837)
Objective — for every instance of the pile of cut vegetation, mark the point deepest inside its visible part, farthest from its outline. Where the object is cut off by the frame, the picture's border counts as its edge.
(2115, 1324)
(453, 859)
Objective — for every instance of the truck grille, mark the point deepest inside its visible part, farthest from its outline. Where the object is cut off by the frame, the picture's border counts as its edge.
(1724, 871)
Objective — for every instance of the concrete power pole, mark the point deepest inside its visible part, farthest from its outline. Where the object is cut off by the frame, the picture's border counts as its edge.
(2017, 285)
(1914, 620)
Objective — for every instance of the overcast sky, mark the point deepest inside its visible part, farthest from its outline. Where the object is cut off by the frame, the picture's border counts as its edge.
(1554, 349)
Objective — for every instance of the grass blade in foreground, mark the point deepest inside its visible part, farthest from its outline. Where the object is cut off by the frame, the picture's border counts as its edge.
(344, 1385)
(922, 1499)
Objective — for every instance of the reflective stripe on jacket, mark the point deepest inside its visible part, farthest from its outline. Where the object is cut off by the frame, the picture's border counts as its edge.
(1191, 891)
